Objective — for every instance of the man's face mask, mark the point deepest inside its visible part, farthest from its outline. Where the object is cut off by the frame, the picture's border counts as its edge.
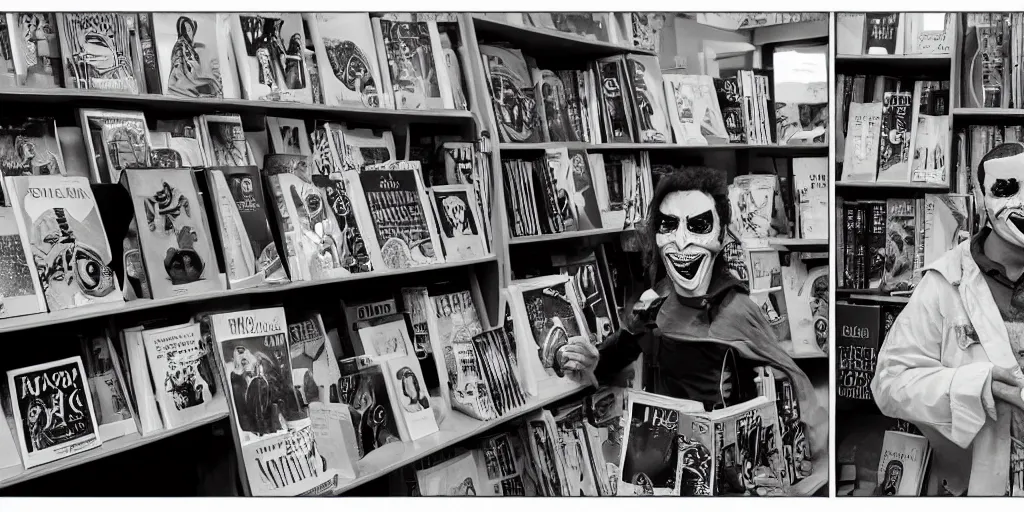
(1004, 199)
(688, 238)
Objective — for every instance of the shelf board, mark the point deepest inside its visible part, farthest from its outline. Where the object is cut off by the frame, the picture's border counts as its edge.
(774, 149)
(987, 115)
(539, 41)
(160, 102)
(564, 235)
(901, 65)
(16, 475)
(99, 310)
(801, 243)
(891, 299)
(891, 185)
(453, 429)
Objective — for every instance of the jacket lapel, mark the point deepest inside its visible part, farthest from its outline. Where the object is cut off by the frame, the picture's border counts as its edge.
(984, 314)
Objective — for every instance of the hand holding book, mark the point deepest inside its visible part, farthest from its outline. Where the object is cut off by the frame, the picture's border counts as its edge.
(1008, 386)
(578, 356)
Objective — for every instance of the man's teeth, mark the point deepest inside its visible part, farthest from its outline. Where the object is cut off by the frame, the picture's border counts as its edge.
(683, 258)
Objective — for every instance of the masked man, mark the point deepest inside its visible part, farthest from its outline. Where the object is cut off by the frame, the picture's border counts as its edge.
(951, 362)
(702, 335)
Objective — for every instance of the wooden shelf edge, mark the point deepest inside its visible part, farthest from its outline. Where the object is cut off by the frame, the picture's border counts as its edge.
(443, 439)
(798, 242)
(894, 58)
(26, 322)
(640, 146)
(526, 31)
(891, 185)
(108, 448)
(988, 112)
(222, 104)
(565, 235)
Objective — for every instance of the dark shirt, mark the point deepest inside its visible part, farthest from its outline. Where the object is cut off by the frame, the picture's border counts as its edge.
(1009, 298)
(691, 370)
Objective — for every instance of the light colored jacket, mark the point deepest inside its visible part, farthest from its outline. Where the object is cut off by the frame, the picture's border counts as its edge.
(935, 371)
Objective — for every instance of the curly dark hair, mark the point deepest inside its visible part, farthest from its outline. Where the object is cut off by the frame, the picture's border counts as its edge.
(712, 182)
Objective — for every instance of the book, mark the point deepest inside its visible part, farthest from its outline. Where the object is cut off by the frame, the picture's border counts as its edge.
(542, 440)
(513, 99)
(365, 391)
(929, 33)
(315, 370)
(270, 464)
(756, 206)
(287, 136)
(730, 102)
(902, 235)
(575, 450)
(894, 158)
(268, 51)
(603, 410)
(409, 397)
(404, 231)
(850, 32)
(884, 33)
(58, 220)
(113, 408)
(253, 348)
(192, 54)
(187, 388)
(947, 223)
(97, 51)
(223, 140)
(335, 436)
(589, 284)
(810, 182)
(801, 94)
(650, 458)
(141, 389)
(347, 58)
(858, 339)
(693, 110)
(384, 337)
(407, 48)
(902, 464)
(499, 365)
(20, 292)
(456, 477)
(459, 221)
(806, 296)
(175, 237)
(648, 99)
(615, 96)
(115, 140)
(309, 233)
(503, 472)
(452, 323)
(251, 256)
(53, 411)
(35, 49)
(29, 147)
(368, 147)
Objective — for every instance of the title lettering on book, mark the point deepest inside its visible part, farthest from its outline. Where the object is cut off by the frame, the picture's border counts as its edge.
(292, 459)
(662, 418)
(856, 367)
(885, 27)
(62, 391)
(452, 304)
(248, 325)
(374, 310)
(304, 332)
(910, 454)
(58, 193)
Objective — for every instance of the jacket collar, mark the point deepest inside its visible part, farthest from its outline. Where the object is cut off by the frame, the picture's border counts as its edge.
(960, 270)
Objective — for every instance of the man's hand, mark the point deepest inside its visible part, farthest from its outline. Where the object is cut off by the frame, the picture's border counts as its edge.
(1007, 384)
(578, 357)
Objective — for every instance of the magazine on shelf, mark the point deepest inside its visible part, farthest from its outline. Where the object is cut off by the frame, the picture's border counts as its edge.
(409, 397)
(268, 50)
(58, 219)
(192, 54)
(459, 476)
(902, 464)
(650, 462)
(459, 221)
(287, 136)
(188, 388)
(511, 86)
(452, 323)
(29, 146)
(315, 371)
(365, 390)
(35, 49)
(335, 436)
(407, 239)
(175, 236)
(115, 141)
(20, 290)
(41, 391)
(112, 35)
(113, 408)
(347, 57)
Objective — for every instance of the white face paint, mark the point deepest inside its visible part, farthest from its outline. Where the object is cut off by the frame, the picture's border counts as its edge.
(688, 239)
(1004, 199)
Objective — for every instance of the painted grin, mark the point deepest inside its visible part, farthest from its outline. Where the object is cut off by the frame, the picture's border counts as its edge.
(686, 265)
(1017, 221)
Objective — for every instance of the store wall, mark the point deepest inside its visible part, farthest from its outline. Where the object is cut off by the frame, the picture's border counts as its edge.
(681, 41)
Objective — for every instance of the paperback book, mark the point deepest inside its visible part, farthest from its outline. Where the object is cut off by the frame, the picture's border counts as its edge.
(459, 221)
(20, 292)
(365, 391)
(347, 58)
(58, 220)
(29, 147)
(41, 395)
(405, 231)
(115, 141)
(97, 50)
(192, 54)
(103, 370)
(186, 386)
(315, 370)
(269, 54)
(176, 245)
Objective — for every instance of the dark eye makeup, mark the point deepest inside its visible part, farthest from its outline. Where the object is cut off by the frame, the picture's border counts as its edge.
(701, 224)
(667, 224)
(1005, 188)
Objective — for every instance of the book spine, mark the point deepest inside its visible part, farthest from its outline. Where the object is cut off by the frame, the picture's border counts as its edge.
(149, 61)
(850, 225)
(876, 248)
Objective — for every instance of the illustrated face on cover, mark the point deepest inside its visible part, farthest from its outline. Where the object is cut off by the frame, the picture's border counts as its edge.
(1004, 200)
(66, 266)
(893, 477)
(688, 239)
(515, 108)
